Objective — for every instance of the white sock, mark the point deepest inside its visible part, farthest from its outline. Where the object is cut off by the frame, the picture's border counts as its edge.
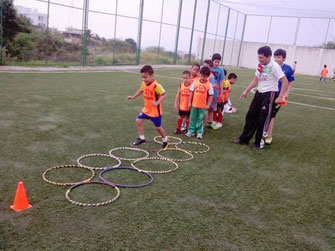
(142, 137)
(165, 139)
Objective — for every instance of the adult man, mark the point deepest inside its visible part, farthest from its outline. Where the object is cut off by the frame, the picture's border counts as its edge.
(267, 75)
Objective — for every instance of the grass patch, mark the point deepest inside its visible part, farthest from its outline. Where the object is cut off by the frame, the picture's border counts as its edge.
(281, 198)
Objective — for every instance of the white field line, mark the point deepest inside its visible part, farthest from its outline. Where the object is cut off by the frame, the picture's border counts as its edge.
(312, 96)
(303, 104)
(304, 89)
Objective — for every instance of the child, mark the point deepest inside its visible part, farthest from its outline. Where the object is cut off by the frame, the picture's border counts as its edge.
(219, 77)
(181, 101)
(154, 95)
(200, 100)
(208, 120)
(280, 57)
(324, 73)
(333, 78)
(232, 78)
(195, 69)
(218, 115)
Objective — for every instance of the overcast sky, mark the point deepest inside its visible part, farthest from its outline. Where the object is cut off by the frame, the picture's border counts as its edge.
(312, 31)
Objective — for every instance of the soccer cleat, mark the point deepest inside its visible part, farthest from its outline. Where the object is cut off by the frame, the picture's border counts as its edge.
(138, 142)
(199, 136)
(177, 131)
(189, 134)
(239, 142)
(268, 140)
(165, 145)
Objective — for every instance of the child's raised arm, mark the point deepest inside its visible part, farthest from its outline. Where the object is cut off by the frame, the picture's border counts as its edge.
(138, 93)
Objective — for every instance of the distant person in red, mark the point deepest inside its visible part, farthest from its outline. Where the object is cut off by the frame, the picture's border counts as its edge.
(324, 73)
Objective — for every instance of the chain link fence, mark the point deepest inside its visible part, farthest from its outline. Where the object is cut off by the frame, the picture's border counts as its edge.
(116, 32)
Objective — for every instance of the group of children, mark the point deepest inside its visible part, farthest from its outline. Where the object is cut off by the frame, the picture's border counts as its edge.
(200, 99)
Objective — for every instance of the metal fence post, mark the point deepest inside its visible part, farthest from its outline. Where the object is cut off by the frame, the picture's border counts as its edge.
(217, 27)
(47, 35)
(160, 32)
(85, 32)
(139, 36)
(327, 31)
(1, 31)
(232, 49)
(205, 32)
(194, 13)
(115, 22)
(225, 35)
(177, 32)
(267, 39)
(242, 38)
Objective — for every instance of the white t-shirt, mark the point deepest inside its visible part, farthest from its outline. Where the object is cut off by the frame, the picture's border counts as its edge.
(268, 77)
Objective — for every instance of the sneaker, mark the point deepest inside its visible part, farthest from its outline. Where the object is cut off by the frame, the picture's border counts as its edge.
(177, 131)
(165, 145)
(214, 123)
(218, 125)
(138, 142)
(257, 148)
(211, 126)
(268, 140)
(189, 134)
(199, 136)
(183, 127)
(239, 142)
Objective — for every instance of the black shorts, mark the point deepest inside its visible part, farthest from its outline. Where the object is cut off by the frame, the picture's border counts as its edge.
(221, 105)
(275, 110)
(184, 113)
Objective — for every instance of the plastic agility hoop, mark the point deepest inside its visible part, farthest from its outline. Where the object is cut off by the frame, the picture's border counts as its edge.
(195, 143)
(155, 158)
(97, 155)
(128, 148)
(179, 140)
(66, 166)
(127, 168)
(92, 204)
(176, 149)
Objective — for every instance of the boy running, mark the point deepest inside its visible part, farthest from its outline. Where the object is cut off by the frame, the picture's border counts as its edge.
(181, 101)
(200, 100)
(154, 94)
(324, 73)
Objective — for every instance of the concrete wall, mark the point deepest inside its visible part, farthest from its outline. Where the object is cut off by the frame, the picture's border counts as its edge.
(310, 60)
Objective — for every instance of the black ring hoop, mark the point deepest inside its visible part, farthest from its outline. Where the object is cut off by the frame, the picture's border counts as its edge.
(127, 168)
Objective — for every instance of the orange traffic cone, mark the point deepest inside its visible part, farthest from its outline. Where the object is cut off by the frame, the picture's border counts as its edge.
(21, 200)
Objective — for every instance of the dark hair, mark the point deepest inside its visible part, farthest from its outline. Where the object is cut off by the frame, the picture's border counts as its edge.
(205, 71)
(265, 50)
(295, 62)
(147, 69)
(209, 62)
(232, 75)
(280, 52)
(187, 72)
(325, 66)
(196, 64)
(225, 72)
(216, 56)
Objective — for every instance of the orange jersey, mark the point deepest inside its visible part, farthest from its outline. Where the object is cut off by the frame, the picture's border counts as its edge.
(194, 79)
(201, 93)
(184, 97)
(324, 72)
(151, 94)
(227, 87)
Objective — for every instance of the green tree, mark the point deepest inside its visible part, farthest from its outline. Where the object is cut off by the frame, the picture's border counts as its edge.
(133, 44)
(330, 45)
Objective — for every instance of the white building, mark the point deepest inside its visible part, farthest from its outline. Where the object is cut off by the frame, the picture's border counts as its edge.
(36, 18)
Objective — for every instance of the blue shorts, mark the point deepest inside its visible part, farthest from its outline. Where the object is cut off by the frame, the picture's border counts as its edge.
(156, 120)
